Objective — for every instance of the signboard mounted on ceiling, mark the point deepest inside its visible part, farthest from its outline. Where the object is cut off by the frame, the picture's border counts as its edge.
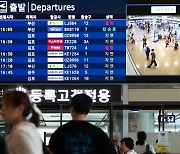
(61, 94)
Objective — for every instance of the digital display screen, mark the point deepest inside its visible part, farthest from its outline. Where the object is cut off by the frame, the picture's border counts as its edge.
(62, 41)
(92, 41)
(152, 41)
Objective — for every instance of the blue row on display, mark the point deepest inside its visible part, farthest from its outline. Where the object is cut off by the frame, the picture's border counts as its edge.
(60, 60)
(63, 23)
(61, 72)
(65, 78)
(62, 47)
(41, 35)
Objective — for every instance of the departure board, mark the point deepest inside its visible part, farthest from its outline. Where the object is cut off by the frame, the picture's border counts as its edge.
(62, 41)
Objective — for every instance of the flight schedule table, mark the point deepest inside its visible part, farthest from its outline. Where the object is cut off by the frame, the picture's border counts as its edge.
(62, 50)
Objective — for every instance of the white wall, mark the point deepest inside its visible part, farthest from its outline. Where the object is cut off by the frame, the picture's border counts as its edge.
(154, 94)
(145, 122)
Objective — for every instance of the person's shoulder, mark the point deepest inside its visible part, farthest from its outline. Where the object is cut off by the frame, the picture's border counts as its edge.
(94, 127)
(64, 127)
(132, 152)
(138, 146)
(25, 126)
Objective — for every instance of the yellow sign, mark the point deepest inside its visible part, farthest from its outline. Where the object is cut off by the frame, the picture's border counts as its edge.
(162, 147)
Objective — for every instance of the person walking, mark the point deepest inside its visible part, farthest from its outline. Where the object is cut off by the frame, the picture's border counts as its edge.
(144, 41)
(147, 50)
(153, 59)
(17, 110)
(176, 46)
(167, 42)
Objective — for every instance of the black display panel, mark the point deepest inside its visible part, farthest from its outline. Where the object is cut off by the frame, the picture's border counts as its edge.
(62, 41)
(55, 94)
(156, 21)
(89, 41)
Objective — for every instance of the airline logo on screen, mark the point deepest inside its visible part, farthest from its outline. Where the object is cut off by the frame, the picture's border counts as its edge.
(20, 7)
(163, 9)
(3, 6)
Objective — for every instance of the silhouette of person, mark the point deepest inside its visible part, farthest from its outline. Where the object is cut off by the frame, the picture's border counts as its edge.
(140, 147)
(153, 59)
(79, 136)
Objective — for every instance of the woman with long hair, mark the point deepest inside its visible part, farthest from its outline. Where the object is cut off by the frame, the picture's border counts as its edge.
(18, 110)
(141, 145)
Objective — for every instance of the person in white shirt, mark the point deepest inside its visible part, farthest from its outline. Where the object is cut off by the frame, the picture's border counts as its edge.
(140, 146)
(17, 110)
(127, 146)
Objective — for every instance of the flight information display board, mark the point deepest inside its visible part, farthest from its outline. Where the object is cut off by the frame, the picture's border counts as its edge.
(62, 41)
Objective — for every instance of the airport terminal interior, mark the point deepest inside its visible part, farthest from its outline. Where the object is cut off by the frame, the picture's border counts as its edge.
(96, 48)
(157, 30)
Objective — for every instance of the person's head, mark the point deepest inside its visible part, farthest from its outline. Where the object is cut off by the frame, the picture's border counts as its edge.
(152, 50)
(16, 107)
(127, 144)
(81, 104)
(141, 136)
(156, 141)
(115, 142)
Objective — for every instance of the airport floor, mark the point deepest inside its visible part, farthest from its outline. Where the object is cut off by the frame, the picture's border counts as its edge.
(168, 60)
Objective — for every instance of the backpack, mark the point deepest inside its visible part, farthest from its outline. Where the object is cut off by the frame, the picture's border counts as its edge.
(147, 49)
(147, 150)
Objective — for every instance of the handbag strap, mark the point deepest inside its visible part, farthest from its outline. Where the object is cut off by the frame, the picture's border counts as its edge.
(147, 147)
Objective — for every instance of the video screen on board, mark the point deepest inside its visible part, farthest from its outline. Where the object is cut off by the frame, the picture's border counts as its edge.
(152, 41)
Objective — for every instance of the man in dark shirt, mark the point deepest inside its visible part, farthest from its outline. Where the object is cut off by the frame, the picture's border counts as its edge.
(78, 136)
(153, 60)
(147, 50)
(176, 46)
(144, 41)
